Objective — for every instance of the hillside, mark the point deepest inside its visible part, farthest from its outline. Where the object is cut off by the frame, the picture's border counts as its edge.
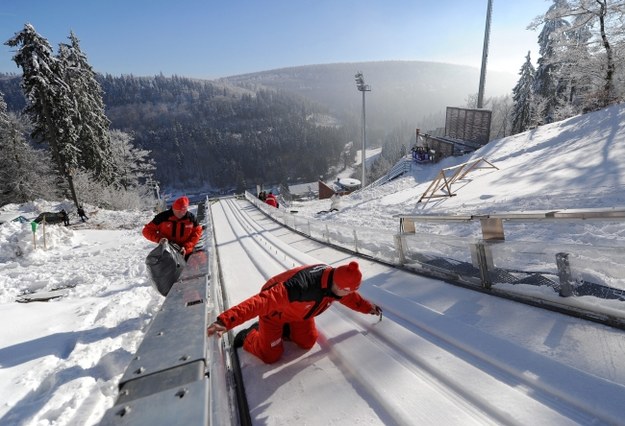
(577, 163)
(298, 120)
(401, 91)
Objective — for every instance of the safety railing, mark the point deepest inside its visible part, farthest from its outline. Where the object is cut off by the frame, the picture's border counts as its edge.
(367, 242)
(472, 250)
(400, 168)
(514, 255)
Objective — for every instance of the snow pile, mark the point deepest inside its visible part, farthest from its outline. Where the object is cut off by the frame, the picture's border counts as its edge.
(61, 360)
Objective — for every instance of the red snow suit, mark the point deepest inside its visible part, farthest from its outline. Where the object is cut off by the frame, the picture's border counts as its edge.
(186, 232)
(272, 200)
(293, 297)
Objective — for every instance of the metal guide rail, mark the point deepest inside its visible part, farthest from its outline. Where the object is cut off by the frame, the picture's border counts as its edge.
(492, 223)
(492, 262)
(167, 381)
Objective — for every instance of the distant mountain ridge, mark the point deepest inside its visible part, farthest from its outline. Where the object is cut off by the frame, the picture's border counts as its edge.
(401, 91)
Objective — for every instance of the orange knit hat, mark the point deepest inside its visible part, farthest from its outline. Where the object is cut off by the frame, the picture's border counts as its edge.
(181, 203)
(347, 277)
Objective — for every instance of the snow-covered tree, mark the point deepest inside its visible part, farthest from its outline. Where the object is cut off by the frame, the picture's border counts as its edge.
(500, 119)
(601, 11)
(522, 97)
(577, 66)
(25, 173)
(586, 46)
(4, 118)
(50, 104)
(133, 164)
(548, 83)
(90, 120)
(93, 191)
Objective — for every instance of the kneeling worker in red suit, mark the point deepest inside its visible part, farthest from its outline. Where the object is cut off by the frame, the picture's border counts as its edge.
(287, 306)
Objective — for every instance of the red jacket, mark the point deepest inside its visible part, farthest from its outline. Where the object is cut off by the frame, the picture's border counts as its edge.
(294, 295)
(186, 232)
(271, 200)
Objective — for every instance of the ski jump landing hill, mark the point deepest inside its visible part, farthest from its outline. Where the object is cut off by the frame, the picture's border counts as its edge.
(424, 364)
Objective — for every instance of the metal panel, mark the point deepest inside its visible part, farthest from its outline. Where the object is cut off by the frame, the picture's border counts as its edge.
(185, 405)
(160, 381)
(186, 293)
(197, 265)
(177, 336)
(492, 229)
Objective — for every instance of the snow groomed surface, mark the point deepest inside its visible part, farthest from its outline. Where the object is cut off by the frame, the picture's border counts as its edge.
(441, 355)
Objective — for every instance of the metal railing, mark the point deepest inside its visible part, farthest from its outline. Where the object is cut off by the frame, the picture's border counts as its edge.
(401, 167)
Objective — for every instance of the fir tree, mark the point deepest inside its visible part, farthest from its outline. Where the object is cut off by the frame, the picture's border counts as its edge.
(522, 97)
(548, 83)
(90, 120)
(25, 174)
(50, 104)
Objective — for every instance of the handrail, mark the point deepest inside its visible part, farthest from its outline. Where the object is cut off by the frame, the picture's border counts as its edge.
(590, 213)
(401, 167)
(492, 223)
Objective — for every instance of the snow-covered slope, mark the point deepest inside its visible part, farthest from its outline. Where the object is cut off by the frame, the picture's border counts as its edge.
(576, 163)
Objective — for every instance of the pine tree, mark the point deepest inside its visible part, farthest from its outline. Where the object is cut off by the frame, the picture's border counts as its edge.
(50, 104)
(522, 97)
(548, 83)
(90, 120)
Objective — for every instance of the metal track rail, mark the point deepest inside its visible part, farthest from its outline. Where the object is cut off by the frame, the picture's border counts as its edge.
(177, 375)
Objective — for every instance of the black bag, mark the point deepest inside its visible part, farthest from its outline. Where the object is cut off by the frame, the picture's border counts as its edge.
(164, 264)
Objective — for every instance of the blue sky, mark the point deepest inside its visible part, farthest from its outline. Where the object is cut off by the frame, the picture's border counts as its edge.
(219, 38)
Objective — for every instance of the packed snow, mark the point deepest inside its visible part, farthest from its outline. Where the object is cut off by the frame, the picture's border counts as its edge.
(61, 360)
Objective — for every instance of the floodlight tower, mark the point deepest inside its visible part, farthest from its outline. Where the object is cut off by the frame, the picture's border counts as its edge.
(362, 87)
(480, 93)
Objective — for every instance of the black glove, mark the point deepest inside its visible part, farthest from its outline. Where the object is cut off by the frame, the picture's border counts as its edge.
(376, 310)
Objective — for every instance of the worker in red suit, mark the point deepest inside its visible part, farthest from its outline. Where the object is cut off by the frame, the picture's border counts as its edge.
(287, 306)
(176, 225)
(272, 200)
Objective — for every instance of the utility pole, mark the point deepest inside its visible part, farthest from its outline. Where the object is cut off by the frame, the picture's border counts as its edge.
(362, 87)
(480, 93)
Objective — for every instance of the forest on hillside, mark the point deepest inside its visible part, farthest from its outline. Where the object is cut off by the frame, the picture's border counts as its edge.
(205, 134)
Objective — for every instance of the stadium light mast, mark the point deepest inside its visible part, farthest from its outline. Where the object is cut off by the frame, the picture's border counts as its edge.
(480, 93)
(362, 87)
